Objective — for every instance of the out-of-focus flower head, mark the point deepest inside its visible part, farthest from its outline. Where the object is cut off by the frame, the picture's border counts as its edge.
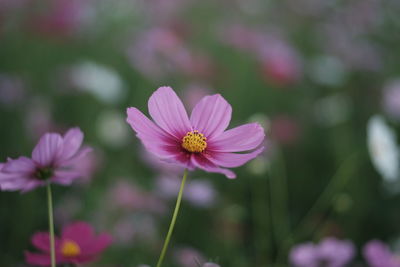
(54, 160)
(101, 81)
(162, 11)
(135, 230)
(61, 18)
(39, 119)
(391, 99)
(345, 34)
(200, 142)
(330, 252)
(210, 264)
(12, 90)
(383, 148)
(285, 129)
(279, 62)
(161, 51)
(188, 257)
(127, 195)
(199, 193)
(378, 254)
(78, 244)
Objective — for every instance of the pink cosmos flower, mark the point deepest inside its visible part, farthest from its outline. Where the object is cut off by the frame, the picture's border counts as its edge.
(77, 244)
(378, 254)
(198, 142)
(54, 159)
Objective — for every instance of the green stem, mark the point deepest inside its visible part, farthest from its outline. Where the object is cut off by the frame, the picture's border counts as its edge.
(51, 226)
(174, 216)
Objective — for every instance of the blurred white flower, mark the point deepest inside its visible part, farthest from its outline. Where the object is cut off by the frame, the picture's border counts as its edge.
(383, 148)
(112, 129)
(103, 82)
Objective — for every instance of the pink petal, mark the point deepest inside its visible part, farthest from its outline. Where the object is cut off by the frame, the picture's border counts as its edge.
(21, 165)
(242, 138)
(98, 244)
(37, 259)
(168, 112)
(72, 142)
(156, 140)
(48, 149)
(41, 240)
(211, 116)
(232, 160)
(29, 185)
(79, 232)
(65, 177)
(76, 158)
(201, 162)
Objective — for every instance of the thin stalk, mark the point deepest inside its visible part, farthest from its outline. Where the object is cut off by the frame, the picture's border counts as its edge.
(174, 216)
(51, 225)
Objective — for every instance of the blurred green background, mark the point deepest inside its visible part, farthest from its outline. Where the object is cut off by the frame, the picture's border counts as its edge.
(311, 71)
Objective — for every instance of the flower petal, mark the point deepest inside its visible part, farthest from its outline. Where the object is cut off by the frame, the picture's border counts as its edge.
(155, 139)
(98, 244)
(48, 149)
(232, 160)
(41, 240)
(72, 141)
(37, 259)
(65, 177)
(211, 116)
(21, 165)
(201, 162)
(242, 138)
(79, 232)
(168, 112)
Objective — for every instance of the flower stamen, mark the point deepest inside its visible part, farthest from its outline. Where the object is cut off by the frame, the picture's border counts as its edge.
(70, 248)
(194, 142)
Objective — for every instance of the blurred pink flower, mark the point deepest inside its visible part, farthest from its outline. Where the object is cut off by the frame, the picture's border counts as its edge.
(54, 159)
(188, 257)
(77, 244)
(210, 264)
(128, 196)
(38, 119)
(137, 229)
(61, 18)
(200, 193)
(200, 142)
(330, 252)
(279, 62)
(378, 254)
(12, 90)
(391, 98)
(161, 51)
(284, 129)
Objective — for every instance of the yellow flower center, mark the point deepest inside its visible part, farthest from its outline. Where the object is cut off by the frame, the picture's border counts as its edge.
(70, 248)
(194, 142)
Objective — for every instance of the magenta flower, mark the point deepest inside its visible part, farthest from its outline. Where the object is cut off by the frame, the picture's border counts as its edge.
(198, 142)
(378, 254)
(55, 158)
(77, 244)
(330, 252)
